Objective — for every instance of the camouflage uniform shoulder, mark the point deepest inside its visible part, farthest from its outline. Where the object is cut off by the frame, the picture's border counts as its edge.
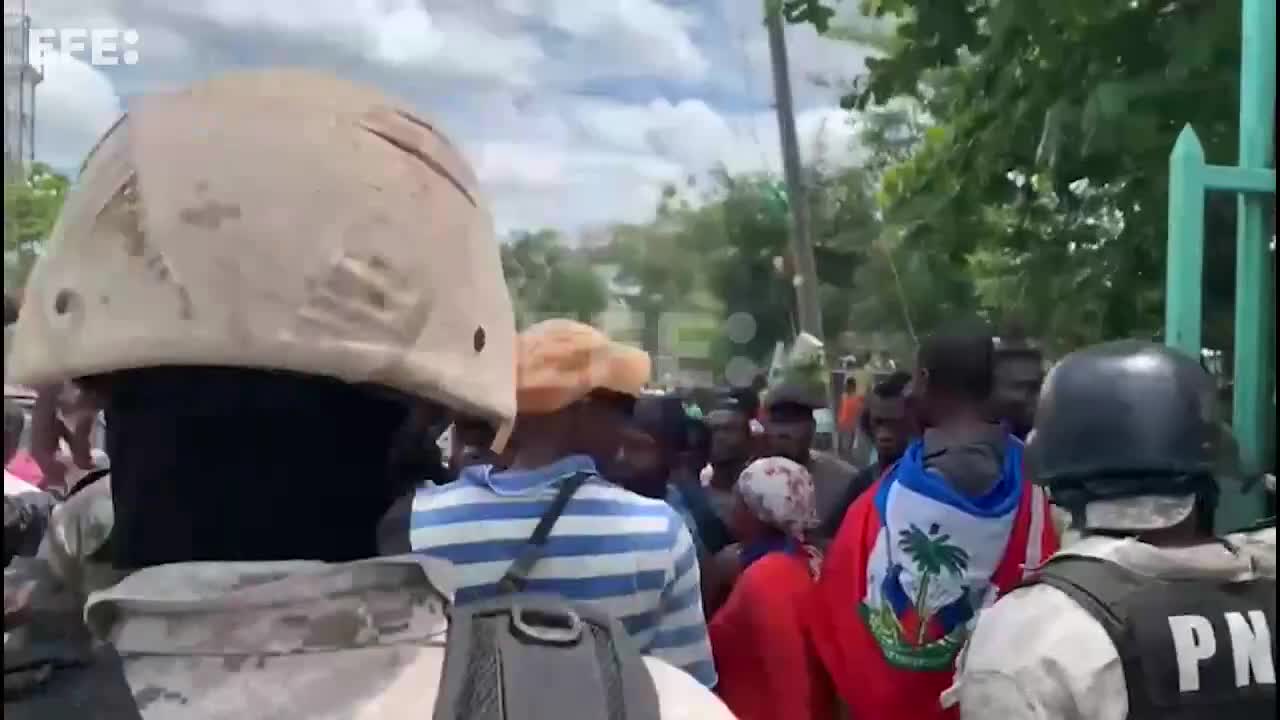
(76, 544)
(52, 666)
(42, 624)
(26, 515)
(1258, 543)
(82, 523)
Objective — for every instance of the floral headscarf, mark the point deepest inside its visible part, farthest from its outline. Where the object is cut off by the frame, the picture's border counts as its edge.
(780, 493)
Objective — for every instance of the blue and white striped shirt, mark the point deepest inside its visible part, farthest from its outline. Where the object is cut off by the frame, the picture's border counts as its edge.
(630, 556)
(676, 500)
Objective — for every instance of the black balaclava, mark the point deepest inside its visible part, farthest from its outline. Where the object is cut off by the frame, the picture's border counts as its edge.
(230, 464)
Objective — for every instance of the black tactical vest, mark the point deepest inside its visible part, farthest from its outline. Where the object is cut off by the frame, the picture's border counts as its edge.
(1192, 649)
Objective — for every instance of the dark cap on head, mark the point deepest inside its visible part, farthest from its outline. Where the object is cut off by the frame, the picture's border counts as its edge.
(795, 392)
(663, 418)
(892, 386)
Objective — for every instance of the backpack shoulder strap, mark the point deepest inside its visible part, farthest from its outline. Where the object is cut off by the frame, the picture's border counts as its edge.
(521, 656)
(714, 533)
(517, 575)
(86, 480)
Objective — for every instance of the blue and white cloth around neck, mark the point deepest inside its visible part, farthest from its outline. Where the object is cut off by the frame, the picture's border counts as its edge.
(628, 555)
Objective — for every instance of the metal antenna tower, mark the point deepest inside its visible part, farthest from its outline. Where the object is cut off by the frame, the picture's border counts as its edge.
(20, 81)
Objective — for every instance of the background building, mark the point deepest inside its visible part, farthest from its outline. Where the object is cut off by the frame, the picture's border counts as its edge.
(20, 80)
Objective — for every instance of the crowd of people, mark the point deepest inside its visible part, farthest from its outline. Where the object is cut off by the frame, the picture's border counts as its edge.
(282, 288)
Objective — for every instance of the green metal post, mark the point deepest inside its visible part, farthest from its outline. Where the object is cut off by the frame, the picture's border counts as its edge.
(1185, 269)
(1253, 180)
(1254, 344)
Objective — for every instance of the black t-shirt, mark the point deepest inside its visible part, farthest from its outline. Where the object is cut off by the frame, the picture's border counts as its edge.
(862, 481)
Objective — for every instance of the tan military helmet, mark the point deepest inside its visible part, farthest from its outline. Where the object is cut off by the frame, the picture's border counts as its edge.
(279, 219)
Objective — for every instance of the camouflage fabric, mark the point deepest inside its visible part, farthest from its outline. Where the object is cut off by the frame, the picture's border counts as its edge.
(39, 613)
(278, 219)
(284, 641)
(78, 530)
(302, 640)
(25, 517)
(1139, 513)
(1260, 547)
(249, 641)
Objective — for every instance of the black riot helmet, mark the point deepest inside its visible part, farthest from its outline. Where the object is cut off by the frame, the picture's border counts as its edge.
(1126, 419)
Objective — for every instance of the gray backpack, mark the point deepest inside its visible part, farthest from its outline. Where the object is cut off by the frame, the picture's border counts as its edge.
(522, 656)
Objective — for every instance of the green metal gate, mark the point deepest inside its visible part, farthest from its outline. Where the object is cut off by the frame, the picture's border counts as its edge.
(1253, 179)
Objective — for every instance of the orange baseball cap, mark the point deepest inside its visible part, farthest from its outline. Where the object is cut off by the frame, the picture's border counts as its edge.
(560, 361)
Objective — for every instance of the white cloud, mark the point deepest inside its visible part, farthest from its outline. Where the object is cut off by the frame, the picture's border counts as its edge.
(529, 165)
(532, 186)
(391, 31)
(75, 104)
(745, 62)
(615, 159)
(698, 137)
(468, 49)
(574, 113)
(642, 35)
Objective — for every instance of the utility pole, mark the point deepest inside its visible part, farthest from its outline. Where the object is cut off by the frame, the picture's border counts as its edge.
(806, 270)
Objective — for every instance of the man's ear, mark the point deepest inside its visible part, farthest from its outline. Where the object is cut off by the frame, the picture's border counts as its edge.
(918, 385)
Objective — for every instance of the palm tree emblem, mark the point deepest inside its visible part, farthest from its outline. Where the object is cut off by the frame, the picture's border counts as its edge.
(932, 556)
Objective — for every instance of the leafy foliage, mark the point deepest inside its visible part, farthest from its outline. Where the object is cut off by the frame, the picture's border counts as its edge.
(1016, 166)
(546, 279)
(30, 210)
(802, 11)
(728, 252)
(1045, 176)
(721, 249)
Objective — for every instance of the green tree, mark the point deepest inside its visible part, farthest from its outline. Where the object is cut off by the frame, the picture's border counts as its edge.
(660, 268)
(574, 291)
(547, 279)
(727, 252)
(1046, 173)
(733, 247)
(31, 208)
(750, 272)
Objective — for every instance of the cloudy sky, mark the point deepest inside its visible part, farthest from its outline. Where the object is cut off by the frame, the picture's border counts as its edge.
(574, 112)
